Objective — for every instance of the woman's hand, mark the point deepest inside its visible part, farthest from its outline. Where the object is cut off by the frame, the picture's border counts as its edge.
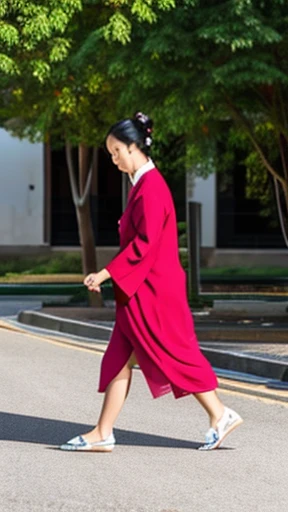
(94, 280)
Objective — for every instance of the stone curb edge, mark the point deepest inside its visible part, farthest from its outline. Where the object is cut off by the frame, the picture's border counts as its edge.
(98, 346)
(219, 358)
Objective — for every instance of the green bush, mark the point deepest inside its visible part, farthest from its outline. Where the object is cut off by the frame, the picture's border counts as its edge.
(182, 234)
(64, 263)
(181, 228)
(184, 259)
(182, 240)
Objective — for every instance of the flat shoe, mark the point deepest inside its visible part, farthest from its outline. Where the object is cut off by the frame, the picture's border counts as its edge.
(214, 437)
(81, 445)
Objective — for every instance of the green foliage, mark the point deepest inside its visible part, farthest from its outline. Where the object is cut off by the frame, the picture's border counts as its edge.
(208, 71)
(8, 34)
(259, 271)
(205, 71)
(8, 66)
(57, 54)
(70, 263)
(182, 235)
(25, 25)
(118, 29)
(66, 263)
(60, 50)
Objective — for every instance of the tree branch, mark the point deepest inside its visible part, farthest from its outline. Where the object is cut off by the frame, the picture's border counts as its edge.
(280, 211)
(78, 200)
(283, 158)
(74, 190)
(240, 118)
(85, 181)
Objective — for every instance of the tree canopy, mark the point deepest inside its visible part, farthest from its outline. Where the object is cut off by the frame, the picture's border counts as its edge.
(49, 88)
(206, 70)
(211, 71)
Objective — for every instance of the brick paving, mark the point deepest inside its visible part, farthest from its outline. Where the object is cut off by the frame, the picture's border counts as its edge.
(275, 351)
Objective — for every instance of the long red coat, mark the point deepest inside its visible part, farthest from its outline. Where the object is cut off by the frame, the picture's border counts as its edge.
(153, 318)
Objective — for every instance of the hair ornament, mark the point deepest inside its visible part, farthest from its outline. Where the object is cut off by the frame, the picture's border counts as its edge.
(142, 118)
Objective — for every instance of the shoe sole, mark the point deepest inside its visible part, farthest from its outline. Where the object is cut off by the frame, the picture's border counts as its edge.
(236, 424)
(100, 449)
(104, 449)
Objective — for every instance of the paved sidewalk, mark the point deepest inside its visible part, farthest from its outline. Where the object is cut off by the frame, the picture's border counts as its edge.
(255, 346)
(239, 339)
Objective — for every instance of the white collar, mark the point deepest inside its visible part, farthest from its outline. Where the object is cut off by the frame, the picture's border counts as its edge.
(142, 170)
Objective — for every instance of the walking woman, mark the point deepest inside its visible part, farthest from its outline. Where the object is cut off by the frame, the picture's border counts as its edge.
(153, 320)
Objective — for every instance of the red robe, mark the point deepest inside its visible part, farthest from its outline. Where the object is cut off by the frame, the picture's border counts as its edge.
(153, 318)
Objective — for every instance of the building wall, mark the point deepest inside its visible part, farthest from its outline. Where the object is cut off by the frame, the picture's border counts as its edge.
(21, 192)
(204, 192)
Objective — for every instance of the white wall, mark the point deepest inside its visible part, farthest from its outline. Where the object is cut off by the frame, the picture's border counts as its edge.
(204, 192)
(21, 209)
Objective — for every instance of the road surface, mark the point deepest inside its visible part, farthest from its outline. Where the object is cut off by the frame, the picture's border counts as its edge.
(48, 393)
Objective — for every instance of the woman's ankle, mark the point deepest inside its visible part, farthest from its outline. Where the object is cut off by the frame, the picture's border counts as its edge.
(104, 431)
(216, 417)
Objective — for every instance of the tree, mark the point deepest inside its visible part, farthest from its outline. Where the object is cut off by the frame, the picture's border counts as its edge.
(210, 69)
(50, 88)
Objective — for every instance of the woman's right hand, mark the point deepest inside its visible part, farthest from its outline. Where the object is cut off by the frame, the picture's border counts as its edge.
(93, 282)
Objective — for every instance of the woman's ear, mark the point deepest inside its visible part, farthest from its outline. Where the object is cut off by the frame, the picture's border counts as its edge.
(132, 147)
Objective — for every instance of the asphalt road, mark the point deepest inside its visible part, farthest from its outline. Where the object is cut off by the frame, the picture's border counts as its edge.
(10, 306)
(48, 393)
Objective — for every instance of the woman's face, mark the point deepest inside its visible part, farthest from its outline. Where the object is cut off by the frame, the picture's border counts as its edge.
(121, 154)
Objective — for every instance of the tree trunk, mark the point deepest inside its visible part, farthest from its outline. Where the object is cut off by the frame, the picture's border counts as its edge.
(81, 199)
(86, 235)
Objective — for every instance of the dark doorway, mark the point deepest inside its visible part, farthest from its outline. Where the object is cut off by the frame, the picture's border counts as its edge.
(109, 200)
(240, 221)
(105, 200)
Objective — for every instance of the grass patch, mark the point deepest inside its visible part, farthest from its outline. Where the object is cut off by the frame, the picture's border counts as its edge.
(246, 271)
(66, 263)
(70, 263)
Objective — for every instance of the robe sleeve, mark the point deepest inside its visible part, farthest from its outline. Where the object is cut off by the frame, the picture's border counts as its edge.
(131, 265)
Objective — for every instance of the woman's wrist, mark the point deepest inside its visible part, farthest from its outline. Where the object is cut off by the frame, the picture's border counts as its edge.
(104, 275)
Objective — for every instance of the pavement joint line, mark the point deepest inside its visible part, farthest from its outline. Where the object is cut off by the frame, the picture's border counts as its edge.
(268, 400)
(228, 385)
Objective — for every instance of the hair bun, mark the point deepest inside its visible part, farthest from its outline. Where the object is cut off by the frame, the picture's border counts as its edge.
(144, 123)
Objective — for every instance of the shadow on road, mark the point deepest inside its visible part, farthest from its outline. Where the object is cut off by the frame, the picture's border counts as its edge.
(31, 429)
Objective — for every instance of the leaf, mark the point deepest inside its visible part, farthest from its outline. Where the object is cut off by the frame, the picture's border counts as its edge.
(9, 34)
(118, 29)
(8, 65)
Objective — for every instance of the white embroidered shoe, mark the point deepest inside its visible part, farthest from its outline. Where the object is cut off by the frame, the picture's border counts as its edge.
(214, 437)
(80, 444)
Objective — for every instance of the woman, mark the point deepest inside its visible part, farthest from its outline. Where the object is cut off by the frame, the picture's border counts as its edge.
(153, 320)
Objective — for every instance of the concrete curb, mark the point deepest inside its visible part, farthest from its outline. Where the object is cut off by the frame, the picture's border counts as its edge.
(244, 363)
(62, 325)
(209, 327)
(262, 367)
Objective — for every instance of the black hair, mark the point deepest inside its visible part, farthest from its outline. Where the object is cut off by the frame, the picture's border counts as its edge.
(137, 130)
